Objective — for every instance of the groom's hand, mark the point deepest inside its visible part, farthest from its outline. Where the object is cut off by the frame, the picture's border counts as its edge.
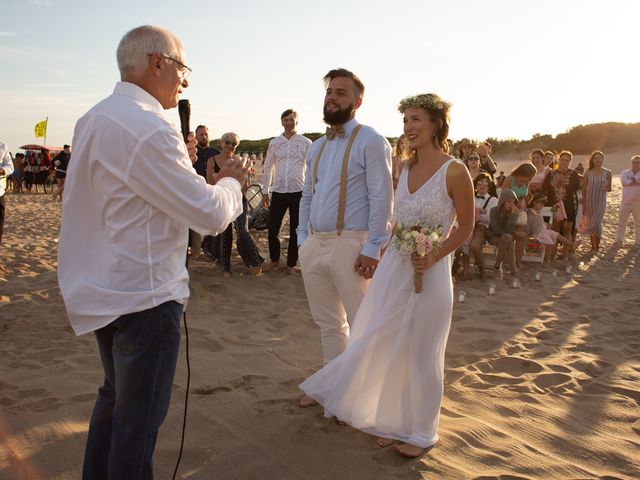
(365, 266)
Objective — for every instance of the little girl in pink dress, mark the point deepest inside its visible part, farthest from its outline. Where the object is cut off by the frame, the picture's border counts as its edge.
(537, 227)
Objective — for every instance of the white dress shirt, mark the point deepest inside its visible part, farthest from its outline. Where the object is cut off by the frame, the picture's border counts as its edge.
(369, 188)
(630, 189)
(285, 164)
(483, 218)
(6, 164)
(130, 195)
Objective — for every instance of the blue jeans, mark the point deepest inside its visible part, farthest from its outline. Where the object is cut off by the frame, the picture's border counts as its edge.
(139, 353)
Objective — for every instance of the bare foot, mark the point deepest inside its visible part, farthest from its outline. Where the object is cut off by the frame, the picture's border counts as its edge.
(385, 442)
(226, 275)
(270, 266)
(305, 401)
(410, 451)
(257, 270)
(293, 270)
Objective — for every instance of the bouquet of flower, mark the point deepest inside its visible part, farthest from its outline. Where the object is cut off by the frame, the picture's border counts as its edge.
(419, 240)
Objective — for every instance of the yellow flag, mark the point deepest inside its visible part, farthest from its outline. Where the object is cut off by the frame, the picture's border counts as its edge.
(41, 129)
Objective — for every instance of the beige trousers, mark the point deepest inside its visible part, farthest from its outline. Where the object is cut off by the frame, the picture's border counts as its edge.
(626, 210)
(334, 289)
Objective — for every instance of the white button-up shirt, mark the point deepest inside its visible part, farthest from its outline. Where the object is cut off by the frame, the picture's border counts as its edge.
(6, 164)
(630, 190)
(285, 164)
(369, 199)
(130, 195)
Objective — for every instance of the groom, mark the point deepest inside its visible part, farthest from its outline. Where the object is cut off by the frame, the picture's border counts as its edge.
(345, 213)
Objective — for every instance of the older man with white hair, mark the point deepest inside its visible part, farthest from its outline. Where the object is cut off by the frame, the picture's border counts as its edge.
(131, 195)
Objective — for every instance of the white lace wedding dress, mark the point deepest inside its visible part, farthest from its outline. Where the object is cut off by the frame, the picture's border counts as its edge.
(389, 380)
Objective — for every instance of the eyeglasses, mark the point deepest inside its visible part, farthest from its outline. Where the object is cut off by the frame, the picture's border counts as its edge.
(228, 142)
(474, 158)
(183, 71)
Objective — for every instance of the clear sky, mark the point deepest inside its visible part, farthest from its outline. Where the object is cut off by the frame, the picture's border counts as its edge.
(511, 68)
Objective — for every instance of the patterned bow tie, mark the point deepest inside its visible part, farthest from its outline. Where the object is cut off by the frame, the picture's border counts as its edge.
(332, 132)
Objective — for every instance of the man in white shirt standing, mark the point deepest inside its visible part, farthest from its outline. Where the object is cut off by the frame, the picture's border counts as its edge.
(6, 169)
(630, 204)
(345, 213)
(284, 170)
(131, 194)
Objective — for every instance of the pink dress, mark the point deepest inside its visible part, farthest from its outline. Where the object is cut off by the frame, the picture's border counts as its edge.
(540, 230)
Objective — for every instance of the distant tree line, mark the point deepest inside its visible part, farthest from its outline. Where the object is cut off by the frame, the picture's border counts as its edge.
(581, 140)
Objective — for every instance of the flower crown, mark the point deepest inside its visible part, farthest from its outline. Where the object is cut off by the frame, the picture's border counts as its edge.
(428, 101)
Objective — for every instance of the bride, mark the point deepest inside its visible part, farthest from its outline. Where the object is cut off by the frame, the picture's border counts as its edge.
(389, 380)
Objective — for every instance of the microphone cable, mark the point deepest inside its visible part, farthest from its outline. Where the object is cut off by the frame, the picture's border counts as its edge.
(186, 396)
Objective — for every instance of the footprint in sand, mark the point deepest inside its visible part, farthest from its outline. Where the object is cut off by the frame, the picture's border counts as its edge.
(548, 380)
(514, 366)
(209, 390)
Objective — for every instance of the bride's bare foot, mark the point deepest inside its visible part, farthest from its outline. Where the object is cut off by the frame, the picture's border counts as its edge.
(385, 442)
(410, 451)
(305, 401)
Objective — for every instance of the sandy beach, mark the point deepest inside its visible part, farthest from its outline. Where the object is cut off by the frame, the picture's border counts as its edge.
(542, 382)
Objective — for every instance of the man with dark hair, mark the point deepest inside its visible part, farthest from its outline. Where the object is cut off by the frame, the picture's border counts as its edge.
(203, 152)
(61, 164)
(284, 171)
(345, 213)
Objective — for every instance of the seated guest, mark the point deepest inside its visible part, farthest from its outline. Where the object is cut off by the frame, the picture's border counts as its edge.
(518, 182)
(502, 230)
(539, 230)
(484, 203)
(244, 243)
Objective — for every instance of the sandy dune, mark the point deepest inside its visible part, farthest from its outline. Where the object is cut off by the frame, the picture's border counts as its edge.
(542, 382)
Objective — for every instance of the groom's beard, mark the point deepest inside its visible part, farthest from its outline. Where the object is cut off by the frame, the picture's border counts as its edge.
(339, 117)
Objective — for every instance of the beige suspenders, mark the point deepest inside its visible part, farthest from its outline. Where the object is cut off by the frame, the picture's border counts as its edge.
(343, 178)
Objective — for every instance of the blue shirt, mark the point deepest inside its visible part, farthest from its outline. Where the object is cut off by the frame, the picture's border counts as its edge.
(369, 188)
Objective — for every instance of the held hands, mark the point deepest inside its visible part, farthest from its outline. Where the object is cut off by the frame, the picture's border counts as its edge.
(422, 263)
(365, 266)
(265, 201)
(191, 147)
(236, 168)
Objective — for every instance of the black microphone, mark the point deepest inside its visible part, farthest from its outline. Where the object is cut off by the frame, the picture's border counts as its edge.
(184, 110)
